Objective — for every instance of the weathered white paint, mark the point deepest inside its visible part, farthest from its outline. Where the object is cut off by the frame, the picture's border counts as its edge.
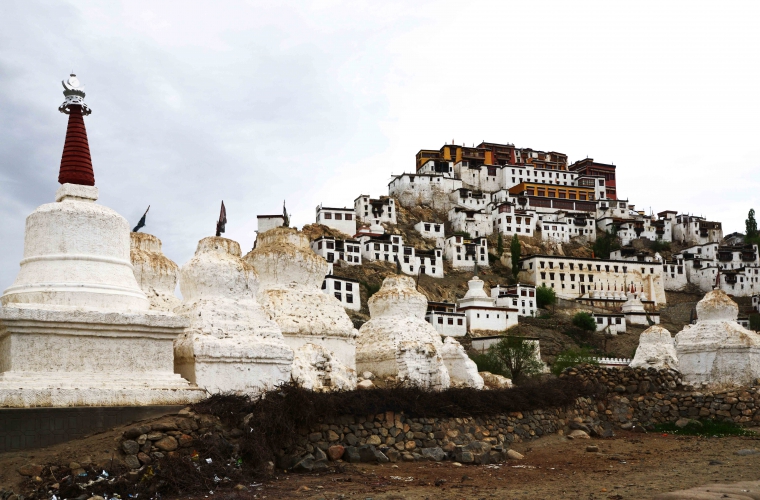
(156, 274)
(717, 351)
(76, 253)
(462, 370)
(412, 190)
(397, 341)
(317, 369)
(231, 344)
(291, 277)
(656, 349)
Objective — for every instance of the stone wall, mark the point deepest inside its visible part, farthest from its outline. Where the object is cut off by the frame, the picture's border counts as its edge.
(636, 397)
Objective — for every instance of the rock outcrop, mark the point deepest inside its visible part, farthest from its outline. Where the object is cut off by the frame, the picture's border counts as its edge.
(231, 344)
(717, 351)
(462, 370)
(316, 368)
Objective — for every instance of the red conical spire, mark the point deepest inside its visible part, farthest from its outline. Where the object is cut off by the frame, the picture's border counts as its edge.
(76, 164)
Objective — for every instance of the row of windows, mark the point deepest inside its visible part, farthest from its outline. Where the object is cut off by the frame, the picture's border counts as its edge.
(450, 321)
(337, 285)
(563, 194)
(598, 267)
(338, 216)
(600, 321)
(330, 245)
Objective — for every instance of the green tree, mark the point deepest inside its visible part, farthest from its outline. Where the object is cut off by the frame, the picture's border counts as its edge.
(584, 321)
(514, 248)
(545, 296)
(573, 357)
(751, 233)
(605, 244)
(499, 246)
(487, 362)
(518, 355)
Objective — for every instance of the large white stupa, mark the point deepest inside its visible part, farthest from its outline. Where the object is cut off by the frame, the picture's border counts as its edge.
(75, 327)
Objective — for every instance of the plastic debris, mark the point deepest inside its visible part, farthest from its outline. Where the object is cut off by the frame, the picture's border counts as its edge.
(208, 460)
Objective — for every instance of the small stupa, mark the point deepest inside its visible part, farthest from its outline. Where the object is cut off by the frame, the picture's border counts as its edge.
(231, 344)
(76, 327)
(291, 276)
(717, 351)
(656, 350)
(156, 274)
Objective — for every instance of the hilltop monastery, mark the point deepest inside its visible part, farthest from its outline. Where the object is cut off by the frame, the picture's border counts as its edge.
(101, 297)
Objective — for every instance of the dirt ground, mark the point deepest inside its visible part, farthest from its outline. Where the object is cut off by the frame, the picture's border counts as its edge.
(629, 466)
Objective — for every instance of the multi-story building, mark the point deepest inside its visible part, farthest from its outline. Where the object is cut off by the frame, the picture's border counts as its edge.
(476, 223)
(604, 170)
(613, 323)
(510, 220)
(334, 250)
(521, 297)
(342, 219)
(735, 269)
(345, 290)
(574, 277)
(690, 229)
(465, 253)
(391, 248)
(432, 189)
(375, 211)
(469, 199)
(433, 231)
(548, 198)
(445, 319)
(481, 311)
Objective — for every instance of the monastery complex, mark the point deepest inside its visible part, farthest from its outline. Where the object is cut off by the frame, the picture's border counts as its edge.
(90, 289)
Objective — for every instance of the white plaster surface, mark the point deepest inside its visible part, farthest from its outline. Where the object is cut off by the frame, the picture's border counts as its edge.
(656, 349)
(397, 341)
(156, 274)
(291, 277)
(76, 253)
(462, 370)
(231, 344)
(318, 369)
(56, 356)
(717, 351)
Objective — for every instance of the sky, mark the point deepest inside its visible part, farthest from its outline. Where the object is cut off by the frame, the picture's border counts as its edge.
(317, 102)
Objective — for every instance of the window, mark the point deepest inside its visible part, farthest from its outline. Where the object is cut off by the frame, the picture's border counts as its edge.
(459, 321)
(349, 217)
(319, 245)
(349, 287)
(324, 285)
(440, 320)
(451, 321)
(338, 296)
(328, 215)
(350, 298)
(599, 321)
(338, 216)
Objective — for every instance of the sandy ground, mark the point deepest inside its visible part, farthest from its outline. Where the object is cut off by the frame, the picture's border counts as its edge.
(629, 466)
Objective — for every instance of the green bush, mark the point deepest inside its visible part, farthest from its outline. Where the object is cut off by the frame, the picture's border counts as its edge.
(707, 428)
(584, 321)
(606, 242)
(487, 362)
(545, 296)
(573, 357)
(754, 322)
(659, 246)
(371, 289)
(518, 355)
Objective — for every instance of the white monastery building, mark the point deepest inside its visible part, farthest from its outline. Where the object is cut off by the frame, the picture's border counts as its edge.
(342, 219)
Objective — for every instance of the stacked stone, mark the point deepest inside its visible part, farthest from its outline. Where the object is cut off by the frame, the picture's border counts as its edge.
(626, 380)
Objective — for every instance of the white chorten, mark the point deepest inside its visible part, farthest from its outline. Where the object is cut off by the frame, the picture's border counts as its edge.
(75, 329)
(656, 350)
(155, 273)
(717, 351)
(397, 341)
(291, 276)
(231, 344)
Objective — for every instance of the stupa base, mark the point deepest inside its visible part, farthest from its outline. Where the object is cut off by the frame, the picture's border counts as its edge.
(59, 356)
(238, 364)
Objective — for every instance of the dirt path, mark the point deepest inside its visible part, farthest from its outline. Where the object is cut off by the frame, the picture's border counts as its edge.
(631, 466)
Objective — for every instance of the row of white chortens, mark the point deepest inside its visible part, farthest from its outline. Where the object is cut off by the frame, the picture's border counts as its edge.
(92, 319)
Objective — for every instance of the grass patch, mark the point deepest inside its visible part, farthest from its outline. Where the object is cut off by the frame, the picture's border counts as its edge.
(705, 428)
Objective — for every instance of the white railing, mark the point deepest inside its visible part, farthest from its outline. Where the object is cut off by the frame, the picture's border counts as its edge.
(613, 361)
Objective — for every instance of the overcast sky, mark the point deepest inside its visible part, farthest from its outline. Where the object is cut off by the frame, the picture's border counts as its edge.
(256, 102)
